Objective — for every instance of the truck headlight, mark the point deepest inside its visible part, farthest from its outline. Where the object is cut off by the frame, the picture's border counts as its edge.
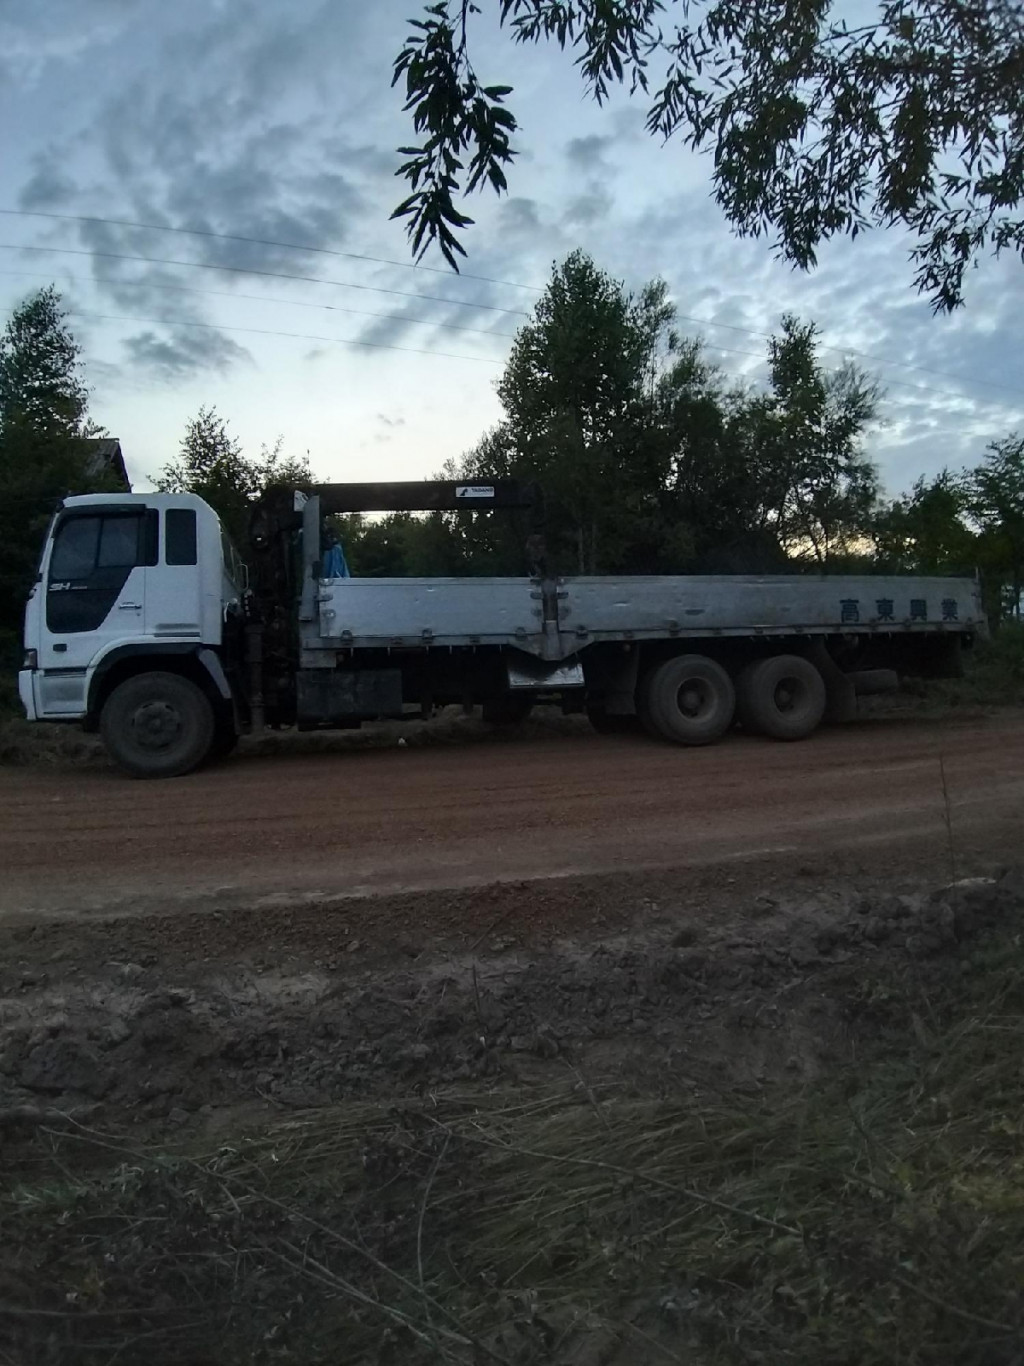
(31, 660)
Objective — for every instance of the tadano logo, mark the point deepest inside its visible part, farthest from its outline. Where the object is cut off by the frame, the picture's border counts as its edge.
(474, 491)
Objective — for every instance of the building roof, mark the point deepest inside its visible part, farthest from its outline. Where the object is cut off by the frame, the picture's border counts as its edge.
(105, 455)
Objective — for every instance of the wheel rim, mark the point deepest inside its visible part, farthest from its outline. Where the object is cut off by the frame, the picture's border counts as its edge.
(156, 726)
(694, 698)
(788, 695)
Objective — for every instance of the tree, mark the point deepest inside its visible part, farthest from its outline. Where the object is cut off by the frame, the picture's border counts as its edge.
(44, 425)
(578, 393)
(714, 514)
(647, 462)
(212, 465)
(925, 531)
(912, 118)
(995, 504)
(820, 491)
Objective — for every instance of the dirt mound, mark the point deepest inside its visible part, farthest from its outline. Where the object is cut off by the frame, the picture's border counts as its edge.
(792, 1134)
(774, 994)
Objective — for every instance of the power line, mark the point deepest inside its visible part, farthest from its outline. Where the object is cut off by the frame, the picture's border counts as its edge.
(260, 298)
(199, 265)
(263, 242)
(492, 308)
(267, 274)
(384, 346)
(328, 251)
(438, 270)
(268, 332)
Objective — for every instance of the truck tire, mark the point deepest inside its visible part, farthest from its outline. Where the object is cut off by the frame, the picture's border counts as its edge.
(157, 725)
(783, 697)
(689, 699)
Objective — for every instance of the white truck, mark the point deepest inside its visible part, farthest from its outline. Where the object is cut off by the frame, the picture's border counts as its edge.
(143, 624)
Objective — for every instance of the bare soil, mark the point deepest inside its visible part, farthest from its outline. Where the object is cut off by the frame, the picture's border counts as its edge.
(82, 840)
(199, 1018)
(188, 968)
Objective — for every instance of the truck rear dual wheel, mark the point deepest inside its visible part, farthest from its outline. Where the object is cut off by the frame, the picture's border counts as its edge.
(157, 725)
(782, 696)
(689, 699)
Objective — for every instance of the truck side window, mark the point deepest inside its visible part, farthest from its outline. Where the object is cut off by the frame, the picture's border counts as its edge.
(119, 542)
(180, 536)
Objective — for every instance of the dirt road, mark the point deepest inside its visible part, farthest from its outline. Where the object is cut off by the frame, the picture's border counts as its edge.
(78, 840)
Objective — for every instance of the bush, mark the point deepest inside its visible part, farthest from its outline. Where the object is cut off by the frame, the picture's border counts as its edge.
(995, 672)
(10, 658)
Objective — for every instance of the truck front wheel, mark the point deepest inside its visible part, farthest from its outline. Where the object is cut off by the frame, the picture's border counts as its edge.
(157, 725)
(783, 697)
(689, 699)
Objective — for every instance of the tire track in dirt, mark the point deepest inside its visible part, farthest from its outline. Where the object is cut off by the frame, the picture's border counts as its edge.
(385, 820)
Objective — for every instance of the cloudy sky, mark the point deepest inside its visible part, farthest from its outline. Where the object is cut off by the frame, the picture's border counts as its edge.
(243, 119)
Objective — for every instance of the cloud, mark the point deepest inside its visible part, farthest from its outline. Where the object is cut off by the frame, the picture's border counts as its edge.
(390, 421)
(181, 355)
(269, 183)
(461, 323)
(49, 186)
(39, 36)
(587, 154)
(152, 288)
(227, 123)
(520, 215)
(592, 207)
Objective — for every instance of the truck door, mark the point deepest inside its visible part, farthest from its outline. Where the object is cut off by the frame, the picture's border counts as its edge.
(95, 593)
(173, 598)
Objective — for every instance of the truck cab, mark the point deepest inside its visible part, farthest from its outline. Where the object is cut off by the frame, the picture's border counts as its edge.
(126, 582)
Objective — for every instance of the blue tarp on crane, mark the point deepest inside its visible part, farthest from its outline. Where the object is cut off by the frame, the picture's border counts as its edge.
(335, 565)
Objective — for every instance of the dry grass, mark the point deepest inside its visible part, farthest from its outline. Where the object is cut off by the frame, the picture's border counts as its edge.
(878, 1218)
(450, 726)
(23, 743)
(993, 677)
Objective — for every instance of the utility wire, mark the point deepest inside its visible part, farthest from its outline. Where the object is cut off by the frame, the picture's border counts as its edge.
(384, 346)
(418, 351)
(259, 298)
(268, 332)
(267, 274)
(703, 322)
(262, 242)
(354, 256)
(438, 270)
